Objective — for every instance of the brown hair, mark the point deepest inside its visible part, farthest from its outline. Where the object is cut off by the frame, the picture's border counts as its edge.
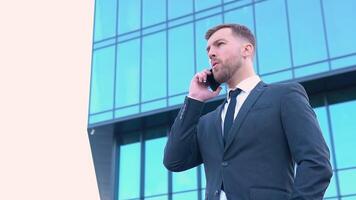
(237, 29)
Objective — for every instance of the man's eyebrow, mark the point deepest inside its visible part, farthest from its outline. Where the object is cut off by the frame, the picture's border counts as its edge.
(214, 43)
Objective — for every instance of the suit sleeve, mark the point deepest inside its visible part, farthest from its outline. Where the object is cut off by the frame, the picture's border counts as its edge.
(182, 149)
(306, 144)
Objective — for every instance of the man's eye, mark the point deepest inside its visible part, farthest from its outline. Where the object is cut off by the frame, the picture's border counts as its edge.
(220, 43)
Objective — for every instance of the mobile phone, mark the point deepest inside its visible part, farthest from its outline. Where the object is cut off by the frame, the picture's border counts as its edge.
(213, 84)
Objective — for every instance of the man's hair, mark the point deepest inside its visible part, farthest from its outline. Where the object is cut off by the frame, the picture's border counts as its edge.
(239, 30)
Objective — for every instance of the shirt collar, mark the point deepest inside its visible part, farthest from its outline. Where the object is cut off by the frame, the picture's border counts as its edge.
(246, 85)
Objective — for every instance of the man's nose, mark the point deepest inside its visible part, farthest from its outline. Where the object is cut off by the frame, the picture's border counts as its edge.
(211, 54)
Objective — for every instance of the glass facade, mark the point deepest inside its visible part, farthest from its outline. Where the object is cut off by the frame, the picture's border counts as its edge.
(146, 51)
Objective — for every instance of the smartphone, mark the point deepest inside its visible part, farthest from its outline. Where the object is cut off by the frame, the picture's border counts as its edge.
(213, 84)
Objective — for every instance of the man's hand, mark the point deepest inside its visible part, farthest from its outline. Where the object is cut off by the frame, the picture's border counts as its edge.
(199, 88)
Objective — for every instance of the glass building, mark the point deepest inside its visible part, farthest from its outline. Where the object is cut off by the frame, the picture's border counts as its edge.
(145, 53)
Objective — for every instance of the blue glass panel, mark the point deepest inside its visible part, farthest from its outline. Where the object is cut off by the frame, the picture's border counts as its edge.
(180, 59)
(105, 19)
(100, 117)
(307, 34)
(129, 177)
(208, 13)
(164, 197)
(204, 4)
(242, 16)
(153, 29)
(331, 190)
(340, 25)
(102, 83)
(324, 126)
(180, 21)
(154, 67)
(186, 180)
(277, 77)
(311, 69)
(156, 175)
(153, 12)
(176, 100)
(353, 197)
(153, 105)
(272, 36)
(179, 8)
(122, 112)
(132, 35)
(347, 179)
(343, 62)
(202, 26)
(128, 73)
(104, 43)
(203, 177)
(185, 195)
(343, 117)
(129, 15)
(236, 4)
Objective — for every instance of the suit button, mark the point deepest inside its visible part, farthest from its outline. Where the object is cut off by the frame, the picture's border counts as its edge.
(216, 193)
(224, 164)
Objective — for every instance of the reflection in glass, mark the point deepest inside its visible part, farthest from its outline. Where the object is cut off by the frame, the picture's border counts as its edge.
(129, 172)
(102, 83)
(154, 66)
(156, 175)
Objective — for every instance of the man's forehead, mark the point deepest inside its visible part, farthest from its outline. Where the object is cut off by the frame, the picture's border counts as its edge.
(224, 33)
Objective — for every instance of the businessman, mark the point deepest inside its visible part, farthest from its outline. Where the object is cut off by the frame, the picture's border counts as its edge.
(252, 143)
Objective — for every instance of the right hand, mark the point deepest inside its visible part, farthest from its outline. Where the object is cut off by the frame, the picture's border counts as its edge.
(199, 89)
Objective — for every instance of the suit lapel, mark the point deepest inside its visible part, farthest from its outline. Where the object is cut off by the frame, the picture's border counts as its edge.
(245, 108)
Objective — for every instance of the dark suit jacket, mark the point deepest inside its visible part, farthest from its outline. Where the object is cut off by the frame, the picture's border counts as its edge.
(275, 129)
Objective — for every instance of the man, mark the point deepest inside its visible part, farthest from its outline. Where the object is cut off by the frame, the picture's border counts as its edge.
(250, 144)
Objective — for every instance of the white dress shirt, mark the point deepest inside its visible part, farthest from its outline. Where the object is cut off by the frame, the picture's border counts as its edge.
(246, 87)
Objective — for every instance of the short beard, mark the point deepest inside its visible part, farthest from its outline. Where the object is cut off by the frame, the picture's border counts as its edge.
(226, 72)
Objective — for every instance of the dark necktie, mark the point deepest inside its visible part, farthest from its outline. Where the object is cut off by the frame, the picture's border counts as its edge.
(229, 117)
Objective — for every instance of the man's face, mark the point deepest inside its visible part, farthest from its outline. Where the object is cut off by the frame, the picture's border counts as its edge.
(224, 52)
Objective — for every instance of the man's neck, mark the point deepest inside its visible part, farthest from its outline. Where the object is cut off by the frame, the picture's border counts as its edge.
(240, 75)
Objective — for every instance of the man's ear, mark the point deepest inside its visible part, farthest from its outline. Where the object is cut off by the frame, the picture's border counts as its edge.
(247, 50)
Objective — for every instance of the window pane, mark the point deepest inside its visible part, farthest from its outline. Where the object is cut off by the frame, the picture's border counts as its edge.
(122, 112)
(128, 73)
(203, 177)
(185, 195)
(100, 117)
(153, 12)
(153, 105)
(186, 180)
(129, 177)
(311, 69)
(272, 36)
(331, 190)
(129, 15)
(324, 126)
(277, 77)
(105, 19)
(307, 34)
(156, 175)
(242, 16)
(179, 8)
(154, 66)
(204, 4)
(201, 27)
(343, 117)
(347, 180)
(180, 58)
(165, 197)
(102, 83)
(340, 24)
